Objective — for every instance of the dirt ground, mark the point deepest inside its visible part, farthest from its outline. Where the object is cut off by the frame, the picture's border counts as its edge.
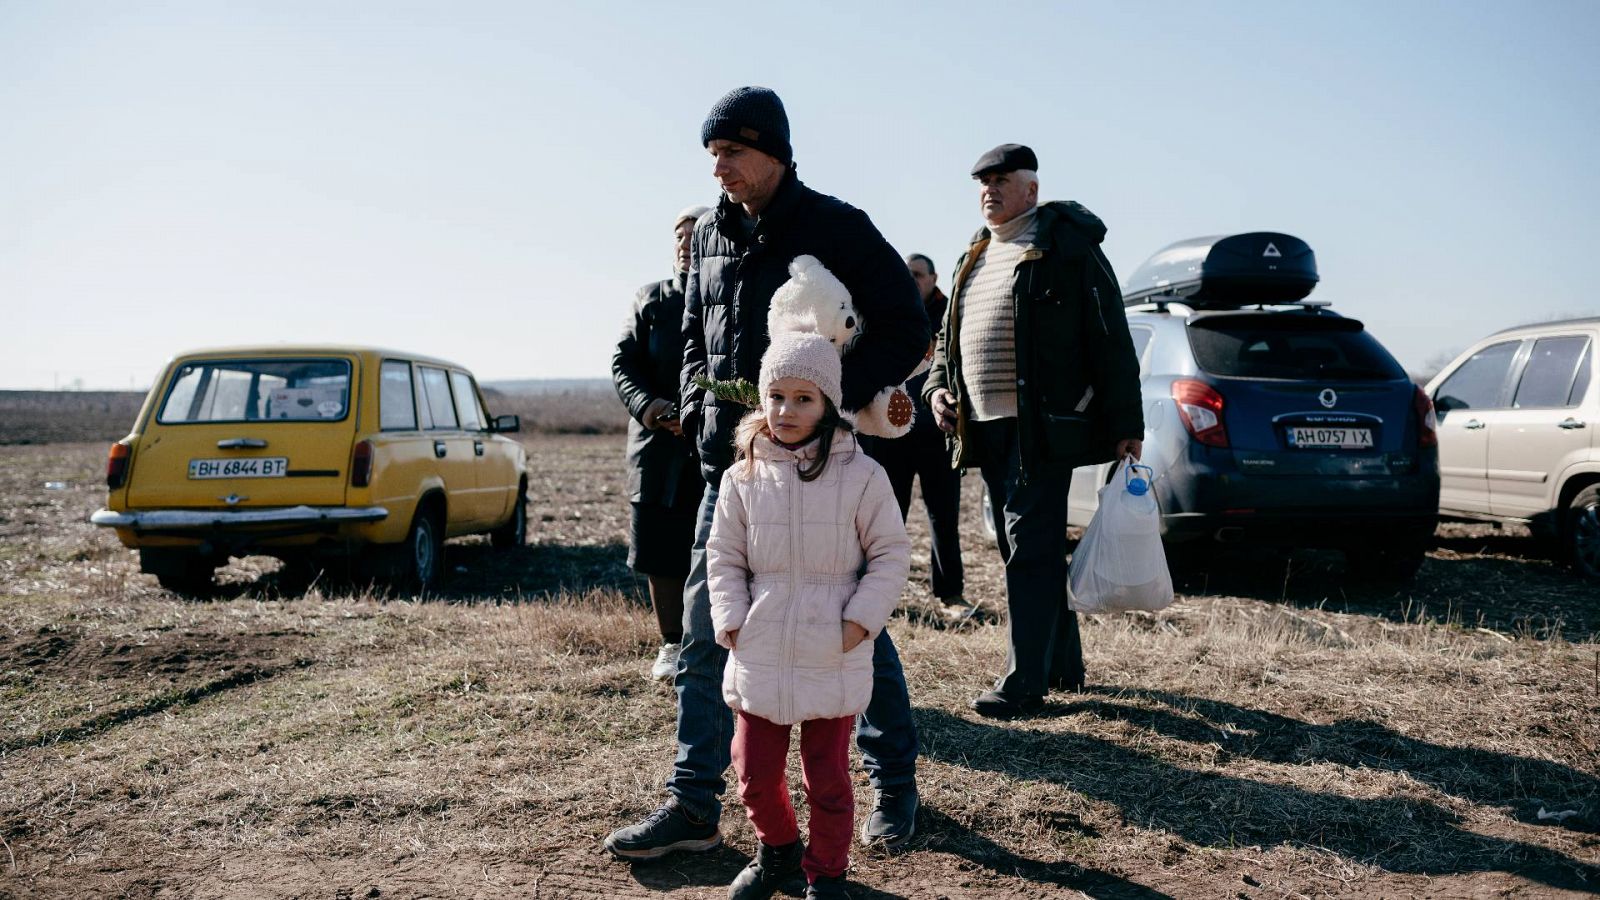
(1281, 731)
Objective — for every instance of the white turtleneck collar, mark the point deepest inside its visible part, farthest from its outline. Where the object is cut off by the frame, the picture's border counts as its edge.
(1016, 228)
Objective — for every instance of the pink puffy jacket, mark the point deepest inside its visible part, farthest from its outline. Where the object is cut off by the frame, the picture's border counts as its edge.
(789, 561)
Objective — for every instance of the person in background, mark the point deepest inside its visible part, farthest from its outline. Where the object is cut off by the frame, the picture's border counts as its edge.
(922, 454)
(664, 477)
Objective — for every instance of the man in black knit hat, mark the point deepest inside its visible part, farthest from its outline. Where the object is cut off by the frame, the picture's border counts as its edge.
(740, 256)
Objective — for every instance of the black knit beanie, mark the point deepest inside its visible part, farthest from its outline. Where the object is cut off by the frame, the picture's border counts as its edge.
(752, 116)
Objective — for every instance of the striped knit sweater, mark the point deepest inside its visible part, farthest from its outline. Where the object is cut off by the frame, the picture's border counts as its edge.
(988, 325)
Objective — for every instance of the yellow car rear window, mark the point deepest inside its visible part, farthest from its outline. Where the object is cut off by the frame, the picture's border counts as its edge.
(245, 390)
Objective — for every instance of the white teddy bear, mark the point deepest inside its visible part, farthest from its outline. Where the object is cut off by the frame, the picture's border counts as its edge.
(814, 300)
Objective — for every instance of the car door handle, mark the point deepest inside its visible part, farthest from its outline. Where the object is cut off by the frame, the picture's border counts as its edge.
(440, 449)
(477, 448)
(1472, 425)
(258, 443)
(1570, 423)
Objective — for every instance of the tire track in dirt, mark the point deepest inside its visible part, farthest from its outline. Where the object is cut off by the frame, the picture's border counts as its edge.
(162, 702)
(219, 662)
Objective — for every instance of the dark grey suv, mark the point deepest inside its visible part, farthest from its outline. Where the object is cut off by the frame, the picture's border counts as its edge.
(1271, 419)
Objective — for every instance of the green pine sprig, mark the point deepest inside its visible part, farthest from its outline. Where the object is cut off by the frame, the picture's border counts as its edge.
(737, 391)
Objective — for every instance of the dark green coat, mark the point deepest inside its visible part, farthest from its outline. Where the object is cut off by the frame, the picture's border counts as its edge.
(1072, 336)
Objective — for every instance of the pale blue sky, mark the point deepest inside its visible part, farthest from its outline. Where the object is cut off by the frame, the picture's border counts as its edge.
(491, 182)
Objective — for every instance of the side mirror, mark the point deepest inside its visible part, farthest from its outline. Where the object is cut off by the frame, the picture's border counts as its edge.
(1442, 405)
(506, 424)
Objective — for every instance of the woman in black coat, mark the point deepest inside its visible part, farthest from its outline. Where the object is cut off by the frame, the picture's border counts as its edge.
(664, 478)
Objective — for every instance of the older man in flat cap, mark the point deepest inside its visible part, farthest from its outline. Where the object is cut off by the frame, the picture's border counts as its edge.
(1034, 374)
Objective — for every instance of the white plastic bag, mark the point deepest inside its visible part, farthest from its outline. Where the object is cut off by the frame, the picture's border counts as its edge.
(1119, 565)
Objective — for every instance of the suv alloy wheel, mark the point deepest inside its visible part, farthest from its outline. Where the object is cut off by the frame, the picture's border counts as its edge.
(1583, 531)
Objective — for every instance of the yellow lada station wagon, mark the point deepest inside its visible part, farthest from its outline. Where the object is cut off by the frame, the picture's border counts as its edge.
(309, 452)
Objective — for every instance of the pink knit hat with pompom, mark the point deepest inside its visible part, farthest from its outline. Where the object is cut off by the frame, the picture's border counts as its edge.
(806, 355)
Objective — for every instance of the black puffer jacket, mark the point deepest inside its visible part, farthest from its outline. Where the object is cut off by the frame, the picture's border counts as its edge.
(644, 369)
(1077, 374)
(730, 286)
(935, 306)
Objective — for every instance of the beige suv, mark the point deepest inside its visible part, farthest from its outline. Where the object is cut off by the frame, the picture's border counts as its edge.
(1518, 416)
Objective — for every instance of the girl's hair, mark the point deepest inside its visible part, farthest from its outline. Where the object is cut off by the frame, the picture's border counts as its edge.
(754, 424)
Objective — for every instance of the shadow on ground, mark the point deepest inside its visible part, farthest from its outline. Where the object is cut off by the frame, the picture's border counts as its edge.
(540, 571)
(475, 571)
(1398, 834)
(942, 834)
(1517, 784)
(939, 833)
(1525, 595)
(717, 869)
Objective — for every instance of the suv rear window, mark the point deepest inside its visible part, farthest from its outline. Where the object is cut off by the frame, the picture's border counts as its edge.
(254, 390)
(1292, 346)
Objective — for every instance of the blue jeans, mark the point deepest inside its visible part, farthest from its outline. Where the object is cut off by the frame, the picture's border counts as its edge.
(885, 733)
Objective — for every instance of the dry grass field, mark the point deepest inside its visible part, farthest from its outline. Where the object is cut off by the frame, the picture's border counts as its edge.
(48, 417)
(1279, 732)
(579, 409)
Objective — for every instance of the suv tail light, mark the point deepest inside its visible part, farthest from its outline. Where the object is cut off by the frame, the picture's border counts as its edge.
(361, 465)
(1427, 422)
(1200, 407)
(118, 461)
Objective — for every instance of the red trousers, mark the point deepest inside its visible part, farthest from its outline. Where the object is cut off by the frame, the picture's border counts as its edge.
(760, 755)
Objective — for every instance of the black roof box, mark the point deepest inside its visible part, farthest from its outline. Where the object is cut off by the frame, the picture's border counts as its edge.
(1223, 272)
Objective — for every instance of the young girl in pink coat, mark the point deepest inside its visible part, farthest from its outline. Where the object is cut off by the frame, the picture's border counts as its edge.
(806, 561)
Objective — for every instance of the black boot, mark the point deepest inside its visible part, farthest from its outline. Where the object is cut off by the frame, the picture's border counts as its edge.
(767, 872)
(893, 819)
(825, 888)
(996, 705)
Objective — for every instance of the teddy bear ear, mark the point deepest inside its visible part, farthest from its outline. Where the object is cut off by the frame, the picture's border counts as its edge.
(800, 266)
